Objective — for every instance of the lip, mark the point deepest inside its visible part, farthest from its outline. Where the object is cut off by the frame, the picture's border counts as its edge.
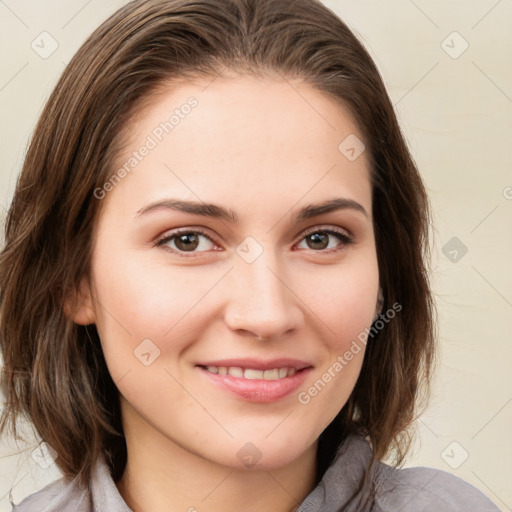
(258, 390)
(258, 364)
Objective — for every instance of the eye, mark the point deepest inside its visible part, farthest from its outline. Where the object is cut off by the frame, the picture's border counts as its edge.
(192, 241)
(187, 240)
(320, 239)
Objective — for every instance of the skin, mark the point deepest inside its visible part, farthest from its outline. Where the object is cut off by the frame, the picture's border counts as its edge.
(264, 149)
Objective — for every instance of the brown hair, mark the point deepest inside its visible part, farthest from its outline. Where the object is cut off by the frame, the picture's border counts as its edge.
(54, 371)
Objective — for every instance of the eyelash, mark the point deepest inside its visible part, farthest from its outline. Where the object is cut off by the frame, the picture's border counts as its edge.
(342, 235)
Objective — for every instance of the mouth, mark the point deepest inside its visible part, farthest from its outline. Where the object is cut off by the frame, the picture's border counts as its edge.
(256, 381)
(251, 373)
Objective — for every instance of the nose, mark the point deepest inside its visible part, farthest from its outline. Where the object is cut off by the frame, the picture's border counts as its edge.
(261, 302)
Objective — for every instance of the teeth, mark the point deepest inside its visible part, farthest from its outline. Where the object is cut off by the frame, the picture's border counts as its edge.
(251, 374)
(235, 372)
(271, 374)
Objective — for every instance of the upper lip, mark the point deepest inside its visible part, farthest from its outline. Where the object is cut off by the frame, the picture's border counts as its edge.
(258, 364)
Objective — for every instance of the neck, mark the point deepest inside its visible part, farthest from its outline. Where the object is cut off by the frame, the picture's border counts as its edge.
(162, 476)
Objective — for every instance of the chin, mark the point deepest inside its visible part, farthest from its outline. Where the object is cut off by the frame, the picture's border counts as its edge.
(263, 455)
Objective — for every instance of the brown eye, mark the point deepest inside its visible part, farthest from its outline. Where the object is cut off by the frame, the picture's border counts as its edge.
(186, 241)
(320, 240)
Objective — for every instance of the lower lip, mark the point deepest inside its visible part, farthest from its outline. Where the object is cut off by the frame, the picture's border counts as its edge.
(258, 390)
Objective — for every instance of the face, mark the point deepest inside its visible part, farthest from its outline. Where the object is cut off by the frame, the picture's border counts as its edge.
(222, 325)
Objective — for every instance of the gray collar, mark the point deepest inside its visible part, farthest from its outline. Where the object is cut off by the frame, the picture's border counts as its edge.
(335, 489)
(352, 483)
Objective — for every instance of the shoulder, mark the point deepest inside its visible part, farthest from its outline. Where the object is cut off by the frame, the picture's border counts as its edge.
(359, 483)
(59, 496)
(66, 495)
(421, 489)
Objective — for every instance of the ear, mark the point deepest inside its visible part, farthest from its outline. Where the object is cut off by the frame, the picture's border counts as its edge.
(79, 305)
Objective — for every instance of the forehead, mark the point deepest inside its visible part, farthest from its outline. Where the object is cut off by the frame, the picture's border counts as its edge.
(235, 138)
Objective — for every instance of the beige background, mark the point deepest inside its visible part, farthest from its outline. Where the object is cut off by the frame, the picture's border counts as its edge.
(455, 107)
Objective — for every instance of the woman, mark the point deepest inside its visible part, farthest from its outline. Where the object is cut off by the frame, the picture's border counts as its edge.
(214, 289)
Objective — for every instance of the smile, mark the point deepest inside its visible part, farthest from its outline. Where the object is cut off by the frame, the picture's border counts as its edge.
(251, 373)
(256, 381)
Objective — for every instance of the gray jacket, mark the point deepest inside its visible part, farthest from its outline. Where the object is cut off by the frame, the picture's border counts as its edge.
(385, 490)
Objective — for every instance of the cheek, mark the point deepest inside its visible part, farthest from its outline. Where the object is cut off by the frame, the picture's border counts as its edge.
(146, 299)
(346, 315)
(137, 302)
(343, 299)
(344, 304)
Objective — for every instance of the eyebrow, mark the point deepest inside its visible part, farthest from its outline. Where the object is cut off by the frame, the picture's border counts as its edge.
(229, 215)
